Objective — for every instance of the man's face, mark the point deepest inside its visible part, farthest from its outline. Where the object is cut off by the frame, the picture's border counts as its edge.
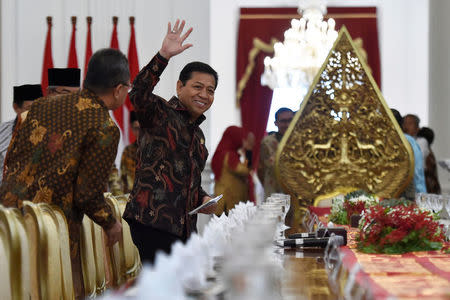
(26, 105)
(120, 93)
(61, 90)
(409, 126)
(197, 94)
(284, 119)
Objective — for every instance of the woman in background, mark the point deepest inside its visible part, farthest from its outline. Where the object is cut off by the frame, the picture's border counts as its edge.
(431, 176)
(231, 165)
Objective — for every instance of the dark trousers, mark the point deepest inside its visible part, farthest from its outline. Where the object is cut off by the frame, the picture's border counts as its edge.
(149, 240)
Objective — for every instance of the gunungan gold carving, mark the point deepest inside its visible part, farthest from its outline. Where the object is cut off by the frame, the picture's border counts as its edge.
(344, 136)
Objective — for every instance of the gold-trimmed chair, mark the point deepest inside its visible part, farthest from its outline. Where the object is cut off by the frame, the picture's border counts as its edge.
(88, 259)
(92, 258)
(122, 260)
(51, 271)
(14, 256)
(131, 253)
(114, 255)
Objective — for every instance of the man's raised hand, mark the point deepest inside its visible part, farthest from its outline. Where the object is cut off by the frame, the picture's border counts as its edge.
(173, 41)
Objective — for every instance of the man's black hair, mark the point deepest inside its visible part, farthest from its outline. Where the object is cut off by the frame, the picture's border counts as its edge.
(282, 110)
(200, 67)
(426, 133)
(106, 69)
(415, 118)
(397, 116)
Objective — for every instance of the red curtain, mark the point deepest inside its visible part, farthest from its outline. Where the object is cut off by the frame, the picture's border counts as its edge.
(72, 61)
(48, 60)
(267, 23)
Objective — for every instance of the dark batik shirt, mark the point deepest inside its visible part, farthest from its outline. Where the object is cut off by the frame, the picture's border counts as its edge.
(171, 156)
(62, 154)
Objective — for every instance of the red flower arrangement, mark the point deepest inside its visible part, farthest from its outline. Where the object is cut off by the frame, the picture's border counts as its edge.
(351, 204)
(353, 208)
(398, 229)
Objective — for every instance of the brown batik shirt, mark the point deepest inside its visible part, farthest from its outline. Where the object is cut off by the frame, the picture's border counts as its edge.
(62, 154)
(171, 156)
(128, 167)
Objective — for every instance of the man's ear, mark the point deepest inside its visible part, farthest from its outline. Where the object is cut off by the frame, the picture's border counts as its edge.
(116, 91)
(16, 107)
(179, 86)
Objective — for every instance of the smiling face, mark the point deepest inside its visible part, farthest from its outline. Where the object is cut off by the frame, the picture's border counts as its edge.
(197, 94)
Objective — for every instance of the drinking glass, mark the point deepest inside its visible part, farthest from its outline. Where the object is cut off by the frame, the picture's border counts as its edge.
(437, 203)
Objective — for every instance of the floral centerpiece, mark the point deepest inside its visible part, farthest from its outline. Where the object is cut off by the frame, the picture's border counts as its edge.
(343, 207)
(398, 229)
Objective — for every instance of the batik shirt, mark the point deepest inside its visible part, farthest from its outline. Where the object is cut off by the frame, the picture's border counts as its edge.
(266, 166)
(171, 156)
(6, 131)
(128, 167)
(62, 154)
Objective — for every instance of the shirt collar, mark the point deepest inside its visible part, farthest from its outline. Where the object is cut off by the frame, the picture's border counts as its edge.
(176, 104)
(85, 93)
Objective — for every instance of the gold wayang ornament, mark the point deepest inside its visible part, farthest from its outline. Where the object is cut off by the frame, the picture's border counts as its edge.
(344, 136)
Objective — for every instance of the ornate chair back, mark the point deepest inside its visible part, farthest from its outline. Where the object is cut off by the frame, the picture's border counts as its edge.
(66, 266)
(51, 273)
(88, 263)
(99, 252)
(115, 256)
(131, 253)
(14, 256)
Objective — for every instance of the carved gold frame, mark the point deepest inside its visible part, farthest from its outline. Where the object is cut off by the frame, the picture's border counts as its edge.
(291, 128)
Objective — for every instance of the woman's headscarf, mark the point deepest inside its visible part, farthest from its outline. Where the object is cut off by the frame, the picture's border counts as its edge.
(230, 143)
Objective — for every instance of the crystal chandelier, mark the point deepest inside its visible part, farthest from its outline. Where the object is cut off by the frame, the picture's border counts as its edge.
(306, 45)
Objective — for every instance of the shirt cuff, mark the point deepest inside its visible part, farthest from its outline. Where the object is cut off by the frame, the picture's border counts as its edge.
(162, 58)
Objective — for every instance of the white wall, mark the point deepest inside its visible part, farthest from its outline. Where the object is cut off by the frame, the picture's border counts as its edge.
(23, 26)
(439, 84)
(403, 45)
(23, 33)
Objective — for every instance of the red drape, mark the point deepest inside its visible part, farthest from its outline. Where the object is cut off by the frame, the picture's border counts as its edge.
(118, 113)
(134, 70)
(263, 24)
(88, 52)
(72, 61)
(48, 60)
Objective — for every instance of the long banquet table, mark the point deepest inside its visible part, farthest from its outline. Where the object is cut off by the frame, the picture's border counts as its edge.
(417, 275)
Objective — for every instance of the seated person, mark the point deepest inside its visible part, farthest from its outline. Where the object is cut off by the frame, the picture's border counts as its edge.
(417, 185)
(129, 159)
(431, 175)
(231, 165)
(269, 146)
(63, 81)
